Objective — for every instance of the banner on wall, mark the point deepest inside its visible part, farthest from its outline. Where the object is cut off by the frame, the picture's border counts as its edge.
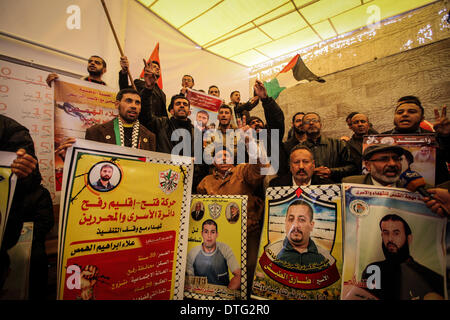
(394, 246)
(79, 105)
(216, 258)
(26, 98)
(300, 254)
(123, 224)
(421, 155)
(7, 186)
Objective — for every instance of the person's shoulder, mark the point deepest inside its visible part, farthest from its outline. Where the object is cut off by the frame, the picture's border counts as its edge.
(355, 179)
(281, 181)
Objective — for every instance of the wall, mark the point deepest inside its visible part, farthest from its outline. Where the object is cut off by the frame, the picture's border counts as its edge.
(374, 87)
(138, 30)
(369, 69)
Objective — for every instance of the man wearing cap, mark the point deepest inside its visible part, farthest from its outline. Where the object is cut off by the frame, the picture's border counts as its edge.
(384, 165)
(409, 114)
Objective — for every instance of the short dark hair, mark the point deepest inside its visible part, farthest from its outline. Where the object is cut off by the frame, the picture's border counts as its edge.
(203, 111)
(225, 106)
(409, 99)
(350, 115)
(122, 92)
(106, 166)
(300, 202)
(211, 222)
(213, 86)
(188, 75)
(293, 117)
(156, 62)
(233, 92)
(175, 97)
(301, 147)
(394, 217)
(103, 60)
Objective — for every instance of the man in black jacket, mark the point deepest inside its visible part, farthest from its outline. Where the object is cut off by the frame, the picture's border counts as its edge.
(153, 98)
(31, 202)
(331, 156)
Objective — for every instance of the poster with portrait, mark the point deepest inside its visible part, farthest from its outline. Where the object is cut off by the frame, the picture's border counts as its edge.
(123, 223)
(394, 246)
(300, 253)
(7, 186)
(421, 157)
(216, 259)
(79, 105)
(204, 108)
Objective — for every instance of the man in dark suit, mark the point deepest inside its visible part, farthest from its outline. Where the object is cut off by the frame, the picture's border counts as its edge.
(124, 130)
(198, 213)
(301, 165)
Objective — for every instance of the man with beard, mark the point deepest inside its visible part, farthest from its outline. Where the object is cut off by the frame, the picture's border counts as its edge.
(298, 247)
(103, 184)
(360, 125)
(384, 165)
(124, 130)
(401, 277)
(298, 135)
(212, 259)
(301, 165)
(96, 68)
(332, 156)
(241, 109)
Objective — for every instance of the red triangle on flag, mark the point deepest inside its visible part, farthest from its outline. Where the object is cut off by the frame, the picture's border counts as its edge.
(291, 64)
(155, 57)
(299, 191)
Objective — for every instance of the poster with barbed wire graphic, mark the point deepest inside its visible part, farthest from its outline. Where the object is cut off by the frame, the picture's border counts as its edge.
(300, 253)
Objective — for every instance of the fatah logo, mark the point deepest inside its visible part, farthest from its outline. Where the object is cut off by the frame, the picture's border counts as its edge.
(359, 208)
(168, 181)
(214, 210)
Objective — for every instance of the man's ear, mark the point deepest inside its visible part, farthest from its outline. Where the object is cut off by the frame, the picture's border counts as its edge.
(103, 70)
(366, 164)
(410, 239)
(172, 112)
(116, 103)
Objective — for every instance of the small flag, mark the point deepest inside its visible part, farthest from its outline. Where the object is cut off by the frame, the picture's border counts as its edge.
(292, 73)
(155, 57)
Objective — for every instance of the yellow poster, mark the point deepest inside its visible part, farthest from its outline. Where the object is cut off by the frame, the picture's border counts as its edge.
(7, 186)
(216, 258)
(124, 216)
(300, 253)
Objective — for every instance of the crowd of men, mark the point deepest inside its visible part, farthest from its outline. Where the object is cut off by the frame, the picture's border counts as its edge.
(239, 151)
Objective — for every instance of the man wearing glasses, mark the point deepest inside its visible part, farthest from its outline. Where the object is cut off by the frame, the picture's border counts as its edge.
(384, 165)
(332, 156)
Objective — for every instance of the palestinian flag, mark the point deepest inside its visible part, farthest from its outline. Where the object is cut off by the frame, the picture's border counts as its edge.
(155, 57)
(292, 73)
